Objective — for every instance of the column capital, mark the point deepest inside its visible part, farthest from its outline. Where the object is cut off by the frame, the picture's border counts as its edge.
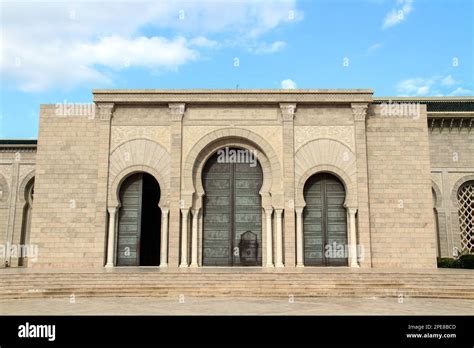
(288, 111)
(113, 209)
(184, 211)
(106, 111)
(177, 111)
(279, 212)
(352, 210)
(268, 210)
(195, 211)
(299, 210)
(359, 111)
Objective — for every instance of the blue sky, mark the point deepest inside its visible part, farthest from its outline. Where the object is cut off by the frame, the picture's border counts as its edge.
(56, 51)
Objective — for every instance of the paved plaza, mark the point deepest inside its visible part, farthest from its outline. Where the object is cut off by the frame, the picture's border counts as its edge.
(237, 306)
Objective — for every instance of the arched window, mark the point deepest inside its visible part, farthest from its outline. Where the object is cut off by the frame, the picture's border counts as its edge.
(466, 216)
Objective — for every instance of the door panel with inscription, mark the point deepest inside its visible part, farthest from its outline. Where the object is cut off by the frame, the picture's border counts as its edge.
(232, 206)
(324, 222)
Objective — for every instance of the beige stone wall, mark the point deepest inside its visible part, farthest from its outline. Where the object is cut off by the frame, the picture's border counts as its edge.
(401, 223)
(452, 162)
(65, 225)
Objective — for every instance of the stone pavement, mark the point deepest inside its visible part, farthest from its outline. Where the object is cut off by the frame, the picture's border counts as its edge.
(237, 306)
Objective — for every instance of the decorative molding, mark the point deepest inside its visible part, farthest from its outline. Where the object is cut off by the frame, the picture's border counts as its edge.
(6, 172)
(139, 155)
(18, 148)
(359, 111)
(192, 134)
(305, 134)
(288, 111)
(330, 156)
(106, 111)
(233, 96)
(177, 111)
(122, 134)
(25, 169)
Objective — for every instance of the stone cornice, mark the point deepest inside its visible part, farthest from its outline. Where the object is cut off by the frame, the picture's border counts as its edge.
(233, 96)
(18, 148)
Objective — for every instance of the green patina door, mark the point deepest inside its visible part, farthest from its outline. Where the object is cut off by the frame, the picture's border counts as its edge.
(324, 222)
(139, 222)
(232, 206)
(130, 221)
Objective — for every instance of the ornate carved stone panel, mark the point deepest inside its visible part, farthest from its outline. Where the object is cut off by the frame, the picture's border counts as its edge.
(122, 134)
(344, 134)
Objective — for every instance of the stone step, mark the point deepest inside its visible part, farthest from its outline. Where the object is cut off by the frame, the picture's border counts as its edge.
(245, 283)
(242, 293)
(205, 283)
(224, 278)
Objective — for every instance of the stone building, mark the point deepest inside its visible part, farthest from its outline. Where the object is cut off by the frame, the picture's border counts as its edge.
(266, 178)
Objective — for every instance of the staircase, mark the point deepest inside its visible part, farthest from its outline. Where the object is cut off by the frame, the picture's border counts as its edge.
(236, 282)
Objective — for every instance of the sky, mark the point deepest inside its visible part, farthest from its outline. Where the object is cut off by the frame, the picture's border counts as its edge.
(58, 51)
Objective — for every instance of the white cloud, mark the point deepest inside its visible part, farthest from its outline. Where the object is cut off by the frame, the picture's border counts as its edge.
(269, 48)
(117, 52)
(448, 81)
(202, 41)
(435, 85)
(288, 84)
(415, 86)
(61, 45)
(398, 14)
(373, 48)
(461, 91)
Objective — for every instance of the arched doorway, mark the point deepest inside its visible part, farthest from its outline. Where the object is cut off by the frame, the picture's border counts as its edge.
(324, 222)
(466, 216)
(139, 222)
(232, 209)
(26, 220)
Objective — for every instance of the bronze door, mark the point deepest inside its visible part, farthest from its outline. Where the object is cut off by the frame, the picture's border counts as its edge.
(325, 222)
(232, 206)
(130, 221)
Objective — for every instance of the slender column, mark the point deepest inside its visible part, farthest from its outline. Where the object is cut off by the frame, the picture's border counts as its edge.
(13, 199)
(177, 111)
(288, 112)
(299, 237)
(353, 232)
(111, 238)
(194, 243)
(279, 239)
(184, 238)
(164, 238)
(268, 214)
(359, 111)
